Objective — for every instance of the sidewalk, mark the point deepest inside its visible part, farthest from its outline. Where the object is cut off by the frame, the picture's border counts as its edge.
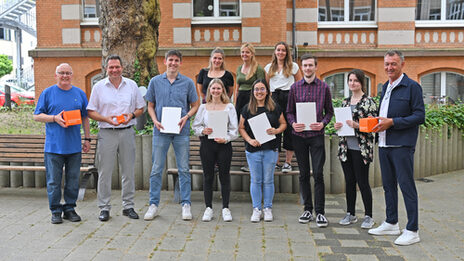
(27, 234)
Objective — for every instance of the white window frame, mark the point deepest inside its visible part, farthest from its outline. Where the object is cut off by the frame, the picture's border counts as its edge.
(443, 93)
(216, 19)
(347, 23)
(443, 21)
(88, 21)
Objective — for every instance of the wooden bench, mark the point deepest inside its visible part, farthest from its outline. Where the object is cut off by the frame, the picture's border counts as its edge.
(30, 149)
(238, 160)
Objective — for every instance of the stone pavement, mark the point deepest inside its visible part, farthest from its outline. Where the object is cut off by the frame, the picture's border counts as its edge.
(26, 232)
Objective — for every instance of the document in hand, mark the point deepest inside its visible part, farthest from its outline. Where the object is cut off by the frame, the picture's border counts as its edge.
(306, 113)
(343, 114)
(259, 124)
(170, 118)
(218, 120)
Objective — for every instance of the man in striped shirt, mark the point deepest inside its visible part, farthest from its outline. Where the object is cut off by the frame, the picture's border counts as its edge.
(310, 89)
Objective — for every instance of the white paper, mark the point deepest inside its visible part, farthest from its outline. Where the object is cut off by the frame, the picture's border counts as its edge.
(259, 124)
(218, 120)
(170, 118)
(342, 115)
(306, 113)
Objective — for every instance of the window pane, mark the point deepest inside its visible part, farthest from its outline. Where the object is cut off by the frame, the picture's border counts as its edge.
(454, 9)
(337, 85)
(428, 10)
(431, 86)
(331, 10)
(203, 8)
(91, 8)
(455, 87)
(362, 10)
(229, 8)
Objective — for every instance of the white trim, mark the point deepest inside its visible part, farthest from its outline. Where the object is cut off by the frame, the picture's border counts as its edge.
(216, 20)
(443, 84)
(89, 22)
(439, 23)
(335, 25)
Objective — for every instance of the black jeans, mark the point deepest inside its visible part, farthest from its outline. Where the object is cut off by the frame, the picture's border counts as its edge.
(212, 153)
(357, 172)
(303, 147)
(243, 98)
(281, 98)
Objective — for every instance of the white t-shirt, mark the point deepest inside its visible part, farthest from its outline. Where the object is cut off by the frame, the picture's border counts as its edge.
(279, 81)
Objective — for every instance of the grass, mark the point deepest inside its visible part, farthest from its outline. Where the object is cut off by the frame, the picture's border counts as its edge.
(19, 121)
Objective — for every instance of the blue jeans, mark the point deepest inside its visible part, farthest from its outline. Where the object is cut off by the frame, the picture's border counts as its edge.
(54, 171)
(262, 166)
(181, 146)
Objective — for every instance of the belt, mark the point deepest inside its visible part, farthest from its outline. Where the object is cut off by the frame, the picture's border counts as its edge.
(279, 90)
(123, 128)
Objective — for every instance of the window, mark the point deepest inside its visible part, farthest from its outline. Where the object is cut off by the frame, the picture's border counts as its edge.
(346, 10)
(338, 84)
(224, 10)
(443, 87)
(440, 10)
(90, 9)
(5, 34)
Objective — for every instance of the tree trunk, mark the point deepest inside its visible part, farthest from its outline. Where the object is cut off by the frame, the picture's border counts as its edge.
(130, 30)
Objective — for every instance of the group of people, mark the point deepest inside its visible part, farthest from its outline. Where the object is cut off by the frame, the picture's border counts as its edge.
(274, 90)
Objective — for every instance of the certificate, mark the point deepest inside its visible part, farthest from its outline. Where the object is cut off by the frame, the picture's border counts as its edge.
(306, 113)
(342, 115)
(170, 118)
(218, 120)
(259, 124)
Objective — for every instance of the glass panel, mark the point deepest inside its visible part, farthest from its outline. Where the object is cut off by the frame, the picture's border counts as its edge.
(337, 85)
(454, 9)
(428, 10)
(331, 10)
(454, 88)
(91, 8)
(431, 87)
(362, 10)
(229, 8)
(203, 8)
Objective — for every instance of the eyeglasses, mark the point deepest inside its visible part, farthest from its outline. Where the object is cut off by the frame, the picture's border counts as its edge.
(263, 89)
(64, 73)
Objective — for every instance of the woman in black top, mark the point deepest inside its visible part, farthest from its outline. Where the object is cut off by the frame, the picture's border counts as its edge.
(261, 158)
(216, 69)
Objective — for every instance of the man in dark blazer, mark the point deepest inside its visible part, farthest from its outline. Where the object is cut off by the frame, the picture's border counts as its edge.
(400, 114)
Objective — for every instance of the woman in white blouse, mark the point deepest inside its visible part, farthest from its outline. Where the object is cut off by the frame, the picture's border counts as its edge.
(218, 150)
(281, 73)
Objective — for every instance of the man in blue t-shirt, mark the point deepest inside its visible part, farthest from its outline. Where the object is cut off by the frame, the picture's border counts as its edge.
(62, 143)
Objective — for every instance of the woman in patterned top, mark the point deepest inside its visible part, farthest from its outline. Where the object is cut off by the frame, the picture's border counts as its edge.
(356, 152)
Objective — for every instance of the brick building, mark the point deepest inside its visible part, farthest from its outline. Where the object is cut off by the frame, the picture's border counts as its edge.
(344, 34)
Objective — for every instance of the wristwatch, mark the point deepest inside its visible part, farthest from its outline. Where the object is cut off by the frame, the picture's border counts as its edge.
(133, 116)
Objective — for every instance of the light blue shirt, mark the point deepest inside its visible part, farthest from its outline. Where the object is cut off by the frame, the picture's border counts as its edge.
(181, 93)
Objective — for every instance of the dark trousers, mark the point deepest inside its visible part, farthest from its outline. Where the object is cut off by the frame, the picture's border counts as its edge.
(397, 166)
(281, 98)
(357, 172)
(303, 147)
(243, 98)
(212, 153)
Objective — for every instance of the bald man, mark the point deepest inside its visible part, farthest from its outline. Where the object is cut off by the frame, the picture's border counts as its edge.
(63, 144)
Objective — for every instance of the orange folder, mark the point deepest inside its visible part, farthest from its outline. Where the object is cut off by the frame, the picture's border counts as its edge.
(120, 118)
(367, 124)
(72, 117)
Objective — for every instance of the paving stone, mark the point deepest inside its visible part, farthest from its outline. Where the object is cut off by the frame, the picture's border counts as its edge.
(165, 255)
(362, 257)
(350, 231)
(353, 243)
(319, 236)
(390, 258)
(358, 250)
(379, 243)
(334, 257)
(327, 242)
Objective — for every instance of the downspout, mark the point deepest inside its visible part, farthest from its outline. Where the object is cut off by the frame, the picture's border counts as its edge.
(295, 52)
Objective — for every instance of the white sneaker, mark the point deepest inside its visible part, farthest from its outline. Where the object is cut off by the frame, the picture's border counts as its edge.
(151, 212)
(268, 214)
(385, 229)
(186, 214)
(226, 215)
(408, 238)
(208, 215)
(256, 216)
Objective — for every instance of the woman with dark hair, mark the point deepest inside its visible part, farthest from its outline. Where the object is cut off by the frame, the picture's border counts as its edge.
(215, 69)
(281, 73)
(261, 158)
(218, 150)
(356, 152)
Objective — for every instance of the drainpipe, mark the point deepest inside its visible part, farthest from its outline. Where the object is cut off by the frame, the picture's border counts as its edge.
(295, 52)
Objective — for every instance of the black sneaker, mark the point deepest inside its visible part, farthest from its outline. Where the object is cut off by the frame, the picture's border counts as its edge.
(305, 217)
(71, 216)
(278, 167)
(56, 218)
(321, 221)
